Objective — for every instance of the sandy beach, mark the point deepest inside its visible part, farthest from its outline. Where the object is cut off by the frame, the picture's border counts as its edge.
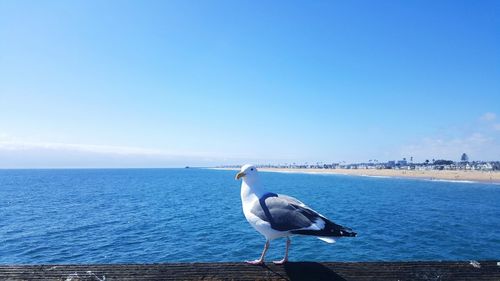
(461, 175)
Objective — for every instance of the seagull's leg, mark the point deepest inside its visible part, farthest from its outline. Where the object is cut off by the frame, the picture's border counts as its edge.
(285, 259)
(261, 260)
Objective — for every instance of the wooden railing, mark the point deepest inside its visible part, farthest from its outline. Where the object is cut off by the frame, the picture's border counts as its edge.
(482, 270)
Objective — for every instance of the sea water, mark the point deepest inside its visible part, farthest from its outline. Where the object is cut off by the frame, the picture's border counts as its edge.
(194, 215)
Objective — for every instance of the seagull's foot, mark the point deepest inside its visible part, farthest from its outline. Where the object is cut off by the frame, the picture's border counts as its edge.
(256, 262)
(283, 261)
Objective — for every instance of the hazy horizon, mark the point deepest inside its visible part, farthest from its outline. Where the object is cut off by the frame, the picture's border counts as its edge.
(118, 84)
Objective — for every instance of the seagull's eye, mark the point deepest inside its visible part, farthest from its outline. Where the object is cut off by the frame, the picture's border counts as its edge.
(251, 169)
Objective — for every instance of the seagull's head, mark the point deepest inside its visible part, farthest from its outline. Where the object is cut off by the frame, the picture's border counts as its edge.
(247, 172)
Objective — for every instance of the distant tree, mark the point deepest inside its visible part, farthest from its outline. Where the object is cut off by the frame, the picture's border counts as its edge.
(495, 165)
(426, 161)
(464, 157)
(443, 162)
(411, 159)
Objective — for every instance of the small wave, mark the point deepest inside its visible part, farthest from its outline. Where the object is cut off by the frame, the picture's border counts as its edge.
(455, 181)
(379, 177)
(294, 172)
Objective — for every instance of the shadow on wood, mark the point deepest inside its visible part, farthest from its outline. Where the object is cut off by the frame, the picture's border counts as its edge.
(310, 271)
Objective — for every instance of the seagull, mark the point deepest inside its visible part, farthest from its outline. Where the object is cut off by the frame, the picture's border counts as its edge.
(276, 215)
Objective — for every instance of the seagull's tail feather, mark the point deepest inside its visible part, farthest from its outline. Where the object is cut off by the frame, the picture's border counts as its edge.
(330, 229)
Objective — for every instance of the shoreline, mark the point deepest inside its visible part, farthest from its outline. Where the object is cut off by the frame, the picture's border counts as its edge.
(490, 177)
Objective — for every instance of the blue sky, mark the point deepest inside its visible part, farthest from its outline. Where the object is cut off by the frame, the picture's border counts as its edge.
(173, 83)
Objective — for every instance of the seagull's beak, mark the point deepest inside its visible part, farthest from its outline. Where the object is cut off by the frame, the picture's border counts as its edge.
(239, 175)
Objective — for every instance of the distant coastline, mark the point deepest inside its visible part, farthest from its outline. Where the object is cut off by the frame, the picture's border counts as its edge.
(444, 175)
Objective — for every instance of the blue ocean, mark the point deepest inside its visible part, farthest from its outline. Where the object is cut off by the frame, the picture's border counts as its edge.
(194, 215)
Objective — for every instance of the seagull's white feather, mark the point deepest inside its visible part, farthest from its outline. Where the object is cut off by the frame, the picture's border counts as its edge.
(327, 239)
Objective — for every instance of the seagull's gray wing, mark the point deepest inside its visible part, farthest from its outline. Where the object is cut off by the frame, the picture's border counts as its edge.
(286, 213)
(292, 200)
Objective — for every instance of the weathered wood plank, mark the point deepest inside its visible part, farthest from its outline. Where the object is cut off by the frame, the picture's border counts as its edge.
(436, 271)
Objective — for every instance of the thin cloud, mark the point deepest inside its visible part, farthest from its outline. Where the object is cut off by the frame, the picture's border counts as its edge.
(480, 140)
(477, 145)
(15, 153)
(101, 149)
(488, 116)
